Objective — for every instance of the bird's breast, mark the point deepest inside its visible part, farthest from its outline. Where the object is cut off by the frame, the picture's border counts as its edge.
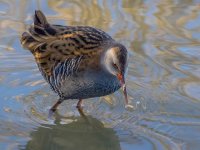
(89, 84)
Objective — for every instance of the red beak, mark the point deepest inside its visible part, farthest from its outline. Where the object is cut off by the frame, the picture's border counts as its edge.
(123, 85)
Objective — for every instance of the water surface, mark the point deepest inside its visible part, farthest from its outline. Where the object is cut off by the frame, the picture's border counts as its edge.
(163, 39)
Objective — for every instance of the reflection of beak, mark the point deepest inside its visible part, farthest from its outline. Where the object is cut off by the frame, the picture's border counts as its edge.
(123, 85)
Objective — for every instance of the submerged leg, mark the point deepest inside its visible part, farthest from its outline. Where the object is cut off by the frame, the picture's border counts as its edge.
(54, 107)
(79, 103)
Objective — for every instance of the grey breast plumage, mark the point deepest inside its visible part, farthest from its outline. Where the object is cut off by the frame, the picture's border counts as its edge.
(69, 57)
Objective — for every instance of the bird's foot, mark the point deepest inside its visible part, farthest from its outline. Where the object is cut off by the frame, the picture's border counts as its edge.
(54, 108)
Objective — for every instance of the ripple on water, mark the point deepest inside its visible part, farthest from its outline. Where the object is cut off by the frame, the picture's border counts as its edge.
(163, 79)
(193, 90)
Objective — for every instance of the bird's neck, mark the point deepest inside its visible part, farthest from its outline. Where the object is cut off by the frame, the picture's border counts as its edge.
(106, 60)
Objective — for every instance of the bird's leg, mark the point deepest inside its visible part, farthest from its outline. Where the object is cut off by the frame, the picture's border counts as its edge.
(79, 103)
(54, 107)
(80, 110)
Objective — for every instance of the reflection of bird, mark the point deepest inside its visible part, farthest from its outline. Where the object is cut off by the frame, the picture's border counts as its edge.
(73, 133)
(77, 61)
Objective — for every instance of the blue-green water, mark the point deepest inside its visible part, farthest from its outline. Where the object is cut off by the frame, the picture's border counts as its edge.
(163, 39)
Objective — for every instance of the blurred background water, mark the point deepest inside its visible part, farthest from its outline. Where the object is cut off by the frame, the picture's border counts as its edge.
(163, 39)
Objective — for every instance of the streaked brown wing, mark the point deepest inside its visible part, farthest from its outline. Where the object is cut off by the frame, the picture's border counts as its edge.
(68, 43)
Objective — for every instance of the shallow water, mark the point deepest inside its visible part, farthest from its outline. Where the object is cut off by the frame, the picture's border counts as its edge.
(163, 39)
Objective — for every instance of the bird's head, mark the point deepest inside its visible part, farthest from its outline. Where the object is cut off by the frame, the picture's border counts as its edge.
(115, 61)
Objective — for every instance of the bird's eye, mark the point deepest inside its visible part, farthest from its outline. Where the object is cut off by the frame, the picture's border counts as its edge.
(115, 66)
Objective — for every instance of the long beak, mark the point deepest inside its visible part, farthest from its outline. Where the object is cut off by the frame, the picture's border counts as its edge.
(123, 85)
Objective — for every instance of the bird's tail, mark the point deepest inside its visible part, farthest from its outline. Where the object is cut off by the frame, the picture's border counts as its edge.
(40, 19)
(37, 33)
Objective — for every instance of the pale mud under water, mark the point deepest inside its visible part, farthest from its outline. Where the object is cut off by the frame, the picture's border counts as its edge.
(163, 38)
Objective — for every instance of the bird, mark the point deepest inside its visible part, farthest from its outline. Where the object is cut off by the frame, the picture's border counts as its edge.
(78, 62)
